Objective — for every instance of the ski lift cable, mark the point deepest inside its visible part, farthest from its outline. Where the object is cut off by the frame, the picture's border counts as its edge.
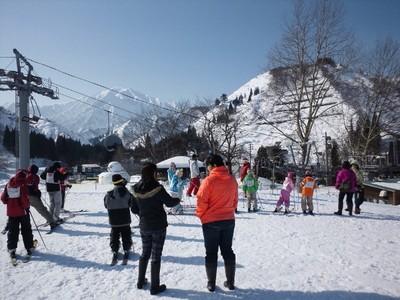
(114, 113)
(104, 102)
(107, 88)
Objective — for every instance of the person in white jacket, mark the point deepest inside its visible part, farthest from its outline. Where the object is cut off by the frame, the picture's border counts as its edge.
(194, 176)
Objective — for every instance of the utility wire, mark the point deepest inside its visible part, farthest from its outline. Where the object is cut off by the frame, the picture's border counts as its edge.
(107, 88)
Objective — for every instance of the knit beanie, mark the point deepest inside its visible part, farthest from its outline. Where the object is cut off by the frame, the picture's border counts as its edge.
(117, 179)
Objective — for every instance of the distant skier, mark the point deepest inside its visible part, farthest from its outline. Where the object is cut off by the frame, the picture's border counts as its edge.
(194, 176)
(250, 187)
(64, 186)
(176, 190)
(52, 176)
(359, 193)
(308, 185)
(34, 195)
(287, 187)
(171, 172)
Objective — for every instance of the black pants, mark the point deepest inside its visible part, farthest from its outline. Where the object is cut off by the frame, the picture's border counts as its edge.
(349, 200)
(13, 232)
(123, 232)
(359, 197)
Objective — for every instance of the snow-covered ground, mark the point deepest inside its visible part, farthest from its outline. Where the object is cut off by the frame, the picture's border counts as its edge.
(278, 256)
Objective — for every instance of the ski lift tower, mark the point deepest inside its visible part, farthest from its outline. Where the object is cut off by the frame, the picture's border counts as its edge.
(24, 85)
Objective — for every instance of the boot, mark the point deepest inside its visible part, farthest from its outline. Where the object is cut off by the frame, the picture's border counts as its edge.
(350, 206)
(142, 280)
(230, 268)
(155, 279)
(12, 253)
(211, 270)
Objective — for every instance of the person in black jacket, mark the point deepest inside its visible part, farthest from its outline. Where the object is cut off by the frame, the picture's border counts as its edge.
(118, 202)
(149, 199)
(52, 176)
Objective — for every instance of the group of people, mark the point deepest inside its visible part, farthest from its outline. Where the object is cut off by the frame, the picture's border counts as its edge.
(21, 192)
(177, 182)
(349, 182)
(217, 198)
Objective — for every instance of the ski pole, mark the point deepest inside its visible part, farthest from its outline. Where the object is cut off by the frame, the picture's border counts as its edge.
(37, 228)
(172, 214)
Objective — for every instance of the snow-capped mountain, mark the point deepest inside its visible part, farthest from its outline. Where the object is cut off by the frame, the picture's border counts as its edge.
(95, 116)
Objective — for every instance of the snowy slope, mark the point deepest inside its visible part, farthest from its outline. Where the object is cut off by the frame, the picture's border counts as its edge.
(278, 257)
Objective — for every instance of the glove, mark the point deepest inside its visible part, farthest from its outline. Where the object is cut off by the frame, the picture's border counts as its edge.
(69, 186)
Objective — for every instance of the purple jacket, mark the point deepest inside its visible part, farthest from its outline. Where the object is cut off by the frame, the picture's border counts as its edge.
(345, 175)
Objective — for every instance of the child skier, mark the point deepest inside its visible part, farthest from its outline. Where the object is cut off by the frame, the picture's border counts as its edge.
(176, 190)
(15, 196)
(308, 185)
(284, 198)
(250, 187)
(118, 203)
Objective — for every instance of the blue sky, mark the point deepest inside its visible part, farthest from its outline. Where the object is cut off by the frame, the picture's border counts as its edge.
(176, 49)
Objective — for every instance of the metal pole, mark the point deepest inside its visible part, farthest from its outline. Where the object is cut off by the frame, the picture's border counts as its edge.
(24, 145)
(327, 159)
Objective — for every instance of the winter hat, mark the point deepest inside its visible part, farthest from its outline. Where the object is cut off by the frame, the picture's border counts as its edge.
(194, 155)
(354, 162)
(308, 173)
(172, 165)
(291, 175)
(117, 179)
(33, 169)
(57, 165)
(245, 160)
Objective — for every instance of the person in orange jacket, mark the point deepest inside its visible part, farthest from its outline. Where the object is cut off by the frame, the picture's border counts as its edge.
(308, 185)
(217, 200)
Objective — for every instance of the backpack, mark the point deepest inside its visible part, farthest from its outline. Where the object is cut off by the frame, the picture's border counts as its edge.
(345, 186)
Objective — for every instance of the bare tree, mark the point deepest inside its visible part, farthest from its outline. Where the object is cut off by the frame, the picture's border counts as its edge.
(377, 105)
(221, 129)
(315, 49)
(158, 125)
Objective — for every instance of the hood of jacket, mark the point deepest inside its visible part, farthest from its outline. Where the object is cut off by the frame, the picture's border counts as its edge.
(146, 189)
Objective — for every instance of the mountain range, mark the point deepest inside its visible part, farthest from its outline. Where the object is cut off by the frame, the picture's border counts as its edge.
(112, 111)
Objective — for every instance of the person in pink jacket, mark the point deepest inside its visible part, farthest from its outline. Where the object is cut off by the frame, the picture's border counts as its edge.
(284, 198)
(346, 183)
(217, 199)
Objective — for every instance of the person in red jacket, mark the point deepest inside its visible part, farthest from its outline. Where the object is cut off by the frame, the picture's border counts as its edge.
(64, 185)
(35, 195)
(217, 199)
(243, 171)
(15, 196)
